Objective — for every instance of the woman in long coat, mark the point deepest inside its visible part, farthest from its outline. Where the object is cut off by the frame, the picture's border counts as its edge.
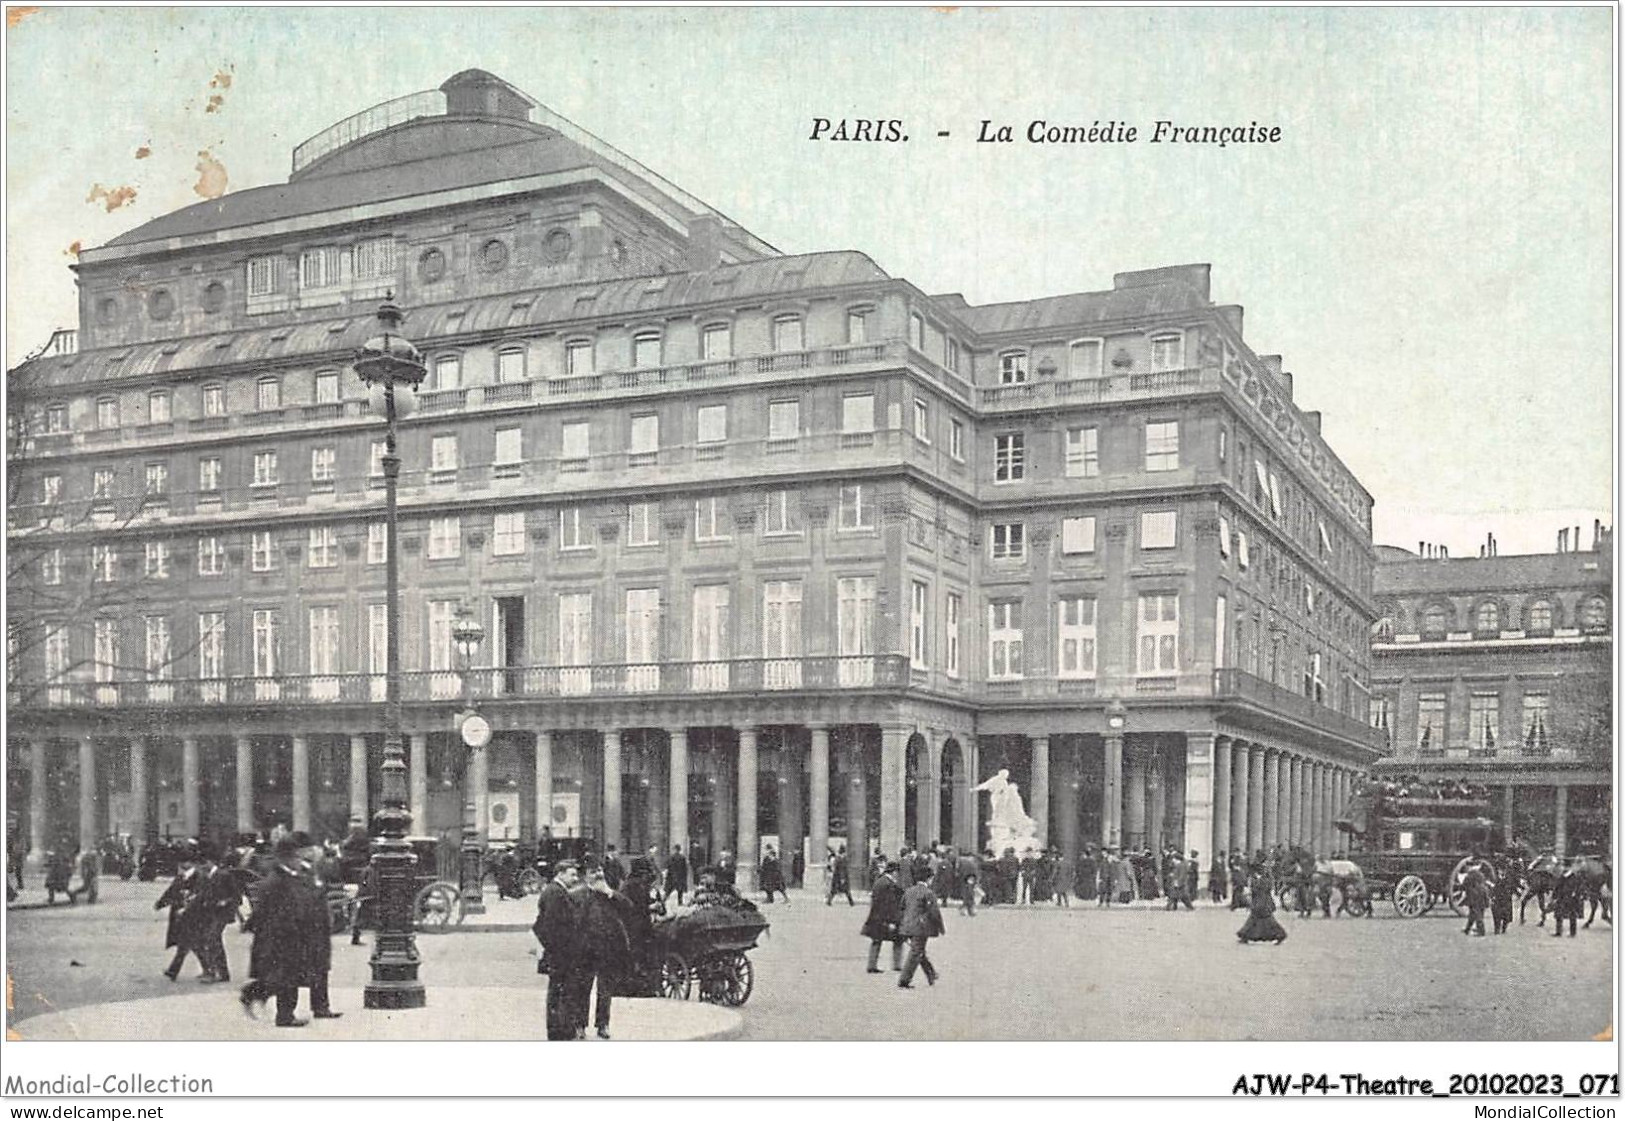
(1261, 925)
(885, 912)
(1122, 879)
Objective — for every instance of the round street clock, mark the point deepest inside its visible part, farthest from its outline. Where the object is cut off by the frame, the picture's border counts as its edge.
(476, 731)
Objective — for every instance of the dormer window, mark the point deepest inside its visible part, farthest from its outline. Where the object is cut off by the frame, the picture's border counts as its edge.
(716, 342)
(268, 394)
(1540, 616)
(1013, 367)
(322, 267)
(448, 372)
(510, 365)
(578, 359)
(1487, 619)
(1084, 357)
(266, 276)
(646, 350)
(1168, 352)
(1435, 621)
(787, 334)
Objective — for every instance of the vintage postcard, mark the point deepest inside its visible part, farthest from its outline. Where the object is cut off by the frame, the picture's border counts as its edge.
(950, 526)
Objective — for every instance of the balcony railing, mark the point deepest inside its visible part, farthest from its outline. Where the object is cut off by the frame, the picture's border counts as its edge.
(1112, 387)
(1240, 685)
(747, 675)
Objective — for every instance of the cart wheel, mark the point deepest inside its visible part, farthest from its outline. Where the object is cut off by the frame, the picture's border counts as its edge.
(437, 907)
(530, 881)
(739, 978)
(1411, 897)
(1458, 892)
(676, 980)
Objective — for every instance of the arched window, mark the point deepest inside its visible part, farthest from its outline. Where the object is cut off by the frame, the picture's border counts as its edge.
(646, 350)
(787, 334)
(1540, 616)
(1435, 621)
(1013, 367)
(511, 365)
(448, 372)
(1594, 614)
(1083, 358)
(268, 394)
(1487, 618)
(1167, 351)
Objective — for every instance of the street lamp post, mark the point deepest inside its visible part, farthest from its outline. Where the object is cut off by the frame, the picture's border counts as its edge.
(466, 635)
(388, 362)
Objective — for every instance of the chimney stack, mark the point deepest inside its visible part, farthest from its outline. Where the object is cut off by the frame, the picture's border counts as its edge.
(1563, 540)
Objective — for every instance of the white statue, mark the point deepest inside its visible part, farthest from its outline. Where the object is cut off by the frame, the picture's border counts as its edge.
(1008, 824)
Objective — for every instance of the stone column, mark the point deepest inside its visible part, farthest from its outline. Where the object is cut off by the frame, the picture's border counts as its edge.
(749, 853)
(1200, 797)
(1038, 804)
(857, 817)
(1066, 806)
(928, 795)
(1306, 776)
(191, 816)
(1240, 787)
(1317, 809)
(358, 779)
(792, 806)
(1283, 799)
(1506, 815)
(301, 784)
(1134, 801)
(1157, 788)
(1294, 800)
(893, 789)
(613, 834)
(89, 836)
(817, 806)
(245, 784)
(1222, 755)
(1255, 798)
(1272, 797)
(677, 789)
(1560, 821)
(1111, 796)
(38, 829)
(544, 781)
(417, 744)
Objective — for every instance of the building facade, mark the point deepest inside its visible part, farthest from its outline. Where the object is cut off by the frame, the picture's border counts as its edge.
(766, 547)
(1498, 671)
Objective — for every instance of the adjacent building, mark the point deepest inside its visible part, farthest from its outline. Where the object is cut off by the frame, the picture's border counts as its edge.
(1498, 671)
(767, 547)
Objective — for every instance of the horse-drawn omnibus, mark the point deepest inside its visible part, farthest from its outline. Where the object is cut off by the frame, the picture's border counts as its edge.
(1415, 845)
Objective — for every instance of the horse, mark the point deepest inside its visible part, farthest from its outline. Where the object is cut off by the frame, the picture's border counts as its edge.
(1540, 880)
(1596, 880)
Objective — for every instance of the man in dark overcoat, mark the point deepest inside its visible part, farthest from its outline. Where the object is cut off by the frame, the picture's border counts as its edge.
(921, 922)
(840, 879)
(557, 928)
(676, 874)
(219, 896)
(181, 934)
(1476, 893)
(293, 944)
(967, 873)
(1218, 879)
(770, 877)
(606, 951)
(885, 912)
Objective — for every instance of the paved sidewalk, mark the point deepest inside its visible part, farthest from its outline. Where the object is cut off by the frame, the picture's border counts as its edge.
(457, 1014)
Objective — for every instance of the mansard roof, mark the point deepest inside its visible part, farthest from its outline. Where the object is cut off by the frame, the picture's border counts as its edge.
(623, 299)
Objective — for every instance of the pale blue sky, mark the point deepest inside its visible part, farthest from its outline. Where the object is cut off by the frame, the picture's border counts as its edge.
(1430, 245)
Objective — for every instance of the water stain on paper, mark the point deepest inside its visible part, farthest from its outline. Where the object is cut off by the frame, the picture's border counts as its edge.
(74, 249)
(112, 199)
(211, 176)
(14, 16)
(144, 151)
